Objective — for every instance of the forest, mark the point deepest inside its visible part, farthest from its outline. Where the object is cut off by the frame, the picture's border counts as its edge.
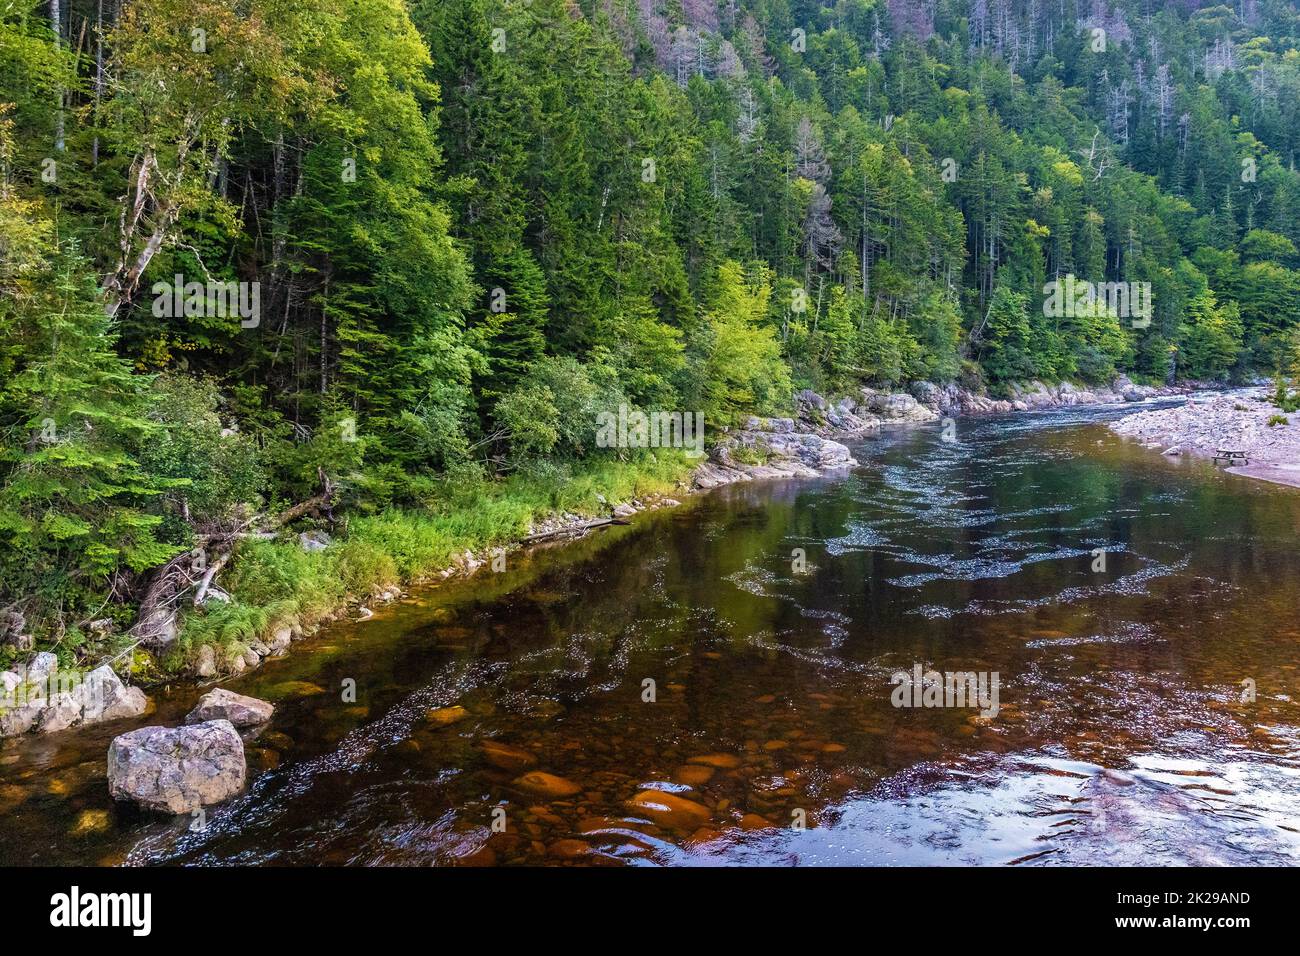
(384, 264)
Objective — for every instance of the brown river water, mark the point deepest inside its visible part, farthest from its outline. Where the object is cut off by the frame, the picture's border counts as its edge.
(1121, 735)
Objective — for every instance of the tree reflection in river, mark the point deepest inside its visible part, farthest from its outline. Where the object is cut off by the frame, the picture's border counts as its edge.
(1122, 736)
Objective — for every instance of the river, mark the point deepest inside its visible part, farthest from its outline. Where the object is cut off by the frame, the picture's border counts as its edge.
(1129, 607)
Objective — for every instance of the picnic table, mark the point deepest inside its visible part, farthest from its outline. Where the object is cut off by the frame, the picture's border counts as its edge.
(1231, 456)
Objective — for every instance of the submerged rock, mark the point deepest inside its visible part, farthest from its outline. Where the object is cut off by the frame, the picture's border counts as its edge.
(177, 770)
(443, 716)
(547, 784)
(222, 704)
(720, 761)
(506, 757)
(670, 810)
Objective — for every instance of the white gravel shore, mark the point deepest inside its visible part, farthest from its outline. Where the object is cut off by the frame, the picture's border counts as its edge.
(1237, 420)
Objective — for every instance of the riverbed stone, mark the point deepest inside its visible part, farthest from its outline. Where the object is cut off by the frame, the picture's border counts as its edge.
(222, 704)
(177, 770)
(547, 784)
(506, 757)
(443, 716)
(693, 775)
(718, 761)
(670, 810)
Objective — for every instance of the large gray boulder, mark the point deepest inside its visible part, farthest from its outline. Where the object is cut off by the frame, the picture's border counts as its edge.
(40, 697)
(222, 704)
(177, 770)
(895, 407)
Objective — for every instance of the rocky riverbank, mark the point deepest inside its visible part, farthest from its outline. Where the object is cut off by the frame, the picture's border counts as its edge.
(1244, 420)
(801, 446)
(804, 445)
(923, 402)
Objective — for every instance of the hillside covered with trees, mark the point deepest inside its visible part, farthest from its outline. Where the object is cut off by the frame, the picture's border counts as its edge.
(462, 229)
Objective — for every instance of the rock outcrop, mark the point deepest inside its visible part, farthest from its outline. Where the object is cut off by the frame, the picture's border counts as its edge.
(954, 400)
(13, 630)
(39, 697)
(222, 704)
(771, 448)
(895, 408)
(177, 770)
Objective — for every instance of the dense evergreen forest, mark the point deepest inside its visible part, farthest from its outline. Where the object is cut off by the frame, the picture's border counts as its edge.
(455, 231)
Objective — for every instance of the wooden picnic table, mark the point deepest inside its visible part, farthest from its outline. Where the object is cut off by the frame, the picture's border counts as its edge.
(1232, 456)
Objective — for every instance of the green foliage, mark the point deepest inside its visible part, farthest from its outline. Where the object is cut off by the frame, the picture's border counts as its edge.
(467, 253)
(553, 411)
(76, 508)
(737, 358)
(216, 471)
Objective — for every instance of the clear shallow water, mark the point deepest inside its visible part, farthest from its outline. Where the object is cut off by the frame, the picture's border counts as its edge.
(773, 687)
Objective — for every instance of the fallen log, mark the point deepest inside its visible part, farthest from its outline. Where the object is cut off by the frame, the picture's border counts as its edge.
(156, 622)
(571, 529)
(208, 575)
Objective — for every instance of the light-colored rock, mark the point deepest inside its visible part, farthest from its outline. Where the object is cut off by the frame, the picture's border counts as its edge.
(39, 668)
(506, 757)
(280, 640)
(670, 810)
(205, 662)
(177, 770)
(107, 698)
(60, 700)
(314, 541)
(222, 704)
(1237, 420)
(895, 407)
(61, 712)
(624, 511)
(547, 785)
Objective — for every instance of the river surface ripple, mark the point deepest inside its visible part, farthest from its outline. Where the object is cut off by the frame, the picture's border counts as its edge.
(1122, 735)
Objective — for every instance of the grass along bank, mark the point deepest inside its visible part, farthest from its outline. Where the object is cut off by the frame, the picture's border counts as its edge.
(277, 590)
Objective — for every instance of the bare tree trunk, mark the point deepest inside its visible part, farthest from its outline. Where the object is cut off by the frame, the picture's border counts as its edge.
(99, 76)
(56, 20)
(324, 337)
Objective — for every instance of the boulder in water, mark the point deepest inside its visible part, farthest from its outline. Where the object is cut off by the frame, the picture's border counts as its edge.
(177, 770)
(222, 704)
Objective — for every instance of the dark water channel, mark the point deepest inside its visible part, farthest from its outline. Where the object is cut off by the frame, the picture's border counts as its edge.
(1121, 734)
